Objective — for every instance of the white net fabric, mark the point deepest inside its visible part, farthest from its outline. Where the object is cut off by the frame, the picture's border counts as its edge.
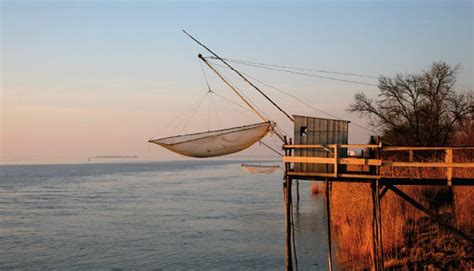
(216, 143)
(259, 169)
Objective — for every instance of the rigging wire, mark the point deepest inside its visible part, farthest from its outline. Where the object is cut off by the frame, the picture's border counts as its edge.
(215, 111)
(271, 148)
(230, 85)
(279, 131)
(312, 75)
(182, 114)
(314, 108)
(237, 72)
(303, 102)
(208, 111)
(244, 62)
(251, 103)
(232, 102)
(205, 76)
(191, 113)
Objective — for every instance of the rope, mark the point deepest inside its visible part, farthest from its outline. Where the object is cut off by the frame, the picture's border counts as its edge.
(272, 149)
(233, 89)
(236, 71)
(243, 62)
(205, 77)
(215, 111)
(304, 103)
(312, 75)
(208, 111)
(232, 102)
(189, 108)
(191, 113)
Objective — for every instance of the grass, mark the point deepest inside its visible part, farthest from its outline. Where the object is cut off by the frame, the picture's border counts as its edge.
(351, 209)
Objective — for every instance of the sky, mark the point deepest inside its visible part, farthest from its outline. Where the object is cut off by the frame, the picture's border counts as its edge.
(87, 78)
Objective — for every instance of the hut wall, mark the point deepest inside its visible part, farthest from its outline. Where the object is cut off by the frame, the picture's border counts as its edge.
(310, 130)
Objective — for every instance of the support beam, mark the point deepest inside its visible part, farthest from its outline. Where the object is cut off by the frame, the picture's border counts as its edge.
(432, 215)
(384, 191)
(297, 191)
(328, 220)
(377, 227)
(288, 256)
(449, 171)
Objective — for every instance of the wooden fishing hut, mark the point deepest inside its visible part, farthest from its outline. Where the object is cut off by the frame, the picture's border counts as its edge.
(320, 153)
(310, 131)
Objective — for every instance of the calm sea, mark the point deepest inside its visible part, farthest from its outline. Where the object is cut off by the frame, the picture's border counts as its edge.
(181, 215)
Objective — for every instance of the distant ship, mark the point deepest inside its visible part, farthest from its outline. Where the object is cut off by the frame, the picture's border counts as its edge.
(112, 157)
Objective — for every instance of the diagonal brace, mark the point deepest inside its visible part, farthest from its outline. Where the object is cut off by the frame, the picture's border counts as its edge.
(432, 215)
(384, 191)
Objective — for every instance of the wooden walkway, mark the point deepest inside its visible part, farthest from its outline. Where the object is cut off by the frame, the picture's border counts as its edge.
(378, 168)
(383, 167)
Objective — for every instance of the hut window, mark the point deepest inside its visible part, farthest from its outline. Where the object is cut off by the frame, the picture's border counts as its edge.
(303, 131)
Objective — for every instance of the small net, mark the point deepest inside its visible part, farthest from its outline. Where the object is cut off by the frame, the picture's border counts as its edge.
(259, 169)
(216, 143)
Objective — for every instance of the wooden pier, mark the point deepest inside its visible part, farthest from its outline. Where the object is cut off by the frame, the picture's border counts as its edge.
(375, 164)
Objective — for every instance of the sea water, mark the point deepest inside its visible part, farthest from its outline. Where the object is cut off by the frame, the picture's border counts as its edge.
(181, 215)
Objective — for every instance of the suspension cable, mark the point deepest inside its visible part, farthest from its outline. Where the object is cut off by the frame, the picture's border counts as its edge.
(243, 62)
(303, 102)
(271, 148)
(312, 75)
(233, 88)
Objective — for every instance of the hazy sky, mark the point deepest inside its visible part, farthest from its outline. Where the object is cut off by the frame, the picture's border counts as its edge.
(87, 78)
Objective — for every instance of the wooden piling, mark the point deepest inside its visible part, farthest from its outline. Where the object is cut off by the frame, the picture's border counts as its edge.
(288, 257)
(449, 171)
(377, 227)
(328, 220)
(297, 191)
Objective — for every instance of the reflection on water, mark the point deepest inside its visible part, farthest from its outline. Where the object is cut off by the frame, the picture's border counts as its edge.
(174, 215)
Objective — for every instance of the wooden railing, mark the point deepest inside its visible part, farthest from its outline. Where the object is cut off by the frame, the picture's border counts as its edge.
(375, 162)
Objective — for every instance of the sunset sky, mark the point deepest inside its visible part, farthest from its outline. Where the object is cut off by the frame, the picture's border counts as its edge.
(87, 78)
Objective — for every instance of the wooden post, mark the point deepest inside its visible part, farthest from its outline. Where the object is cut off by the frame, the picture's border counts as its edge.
(448, 158)
(297, 182)
(372, 169)
(288, 258)
(328, 220)
(410, 159)
(377, 217)
(297, 191)
(377, 227)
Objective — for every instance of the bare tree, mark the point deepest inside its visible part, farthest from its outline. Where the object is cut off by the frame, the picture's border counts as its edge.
(417, 109)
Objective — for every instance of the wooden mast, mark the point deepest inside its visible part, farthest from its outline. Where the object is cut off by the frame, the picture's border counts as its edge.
(243, 77)
(233, 88)
(275, 131)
